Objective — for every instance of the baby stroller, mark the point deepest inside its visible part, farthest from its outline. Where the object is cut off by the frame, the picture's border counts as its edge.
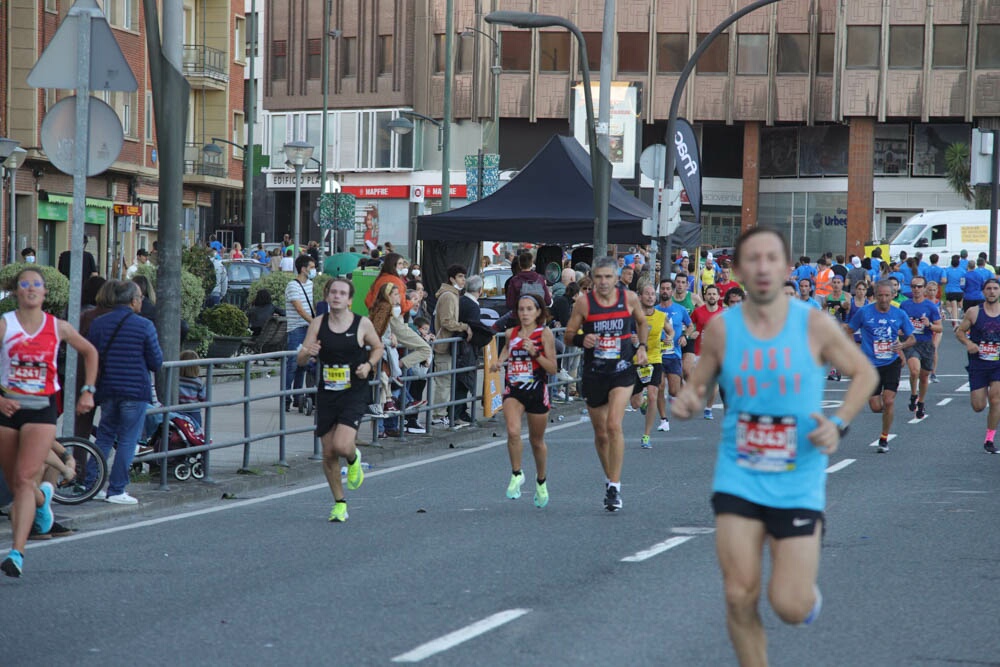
(307, 402)
(183, 432)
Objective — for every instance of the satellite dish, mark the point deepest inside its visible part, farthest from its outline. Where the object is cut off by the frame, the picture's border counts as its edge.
(553, 273)
(59, 136)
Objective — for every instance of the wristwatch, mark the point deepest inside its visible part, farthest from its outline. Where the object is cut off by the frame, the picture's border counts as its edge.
(841, 426)
(88, 388)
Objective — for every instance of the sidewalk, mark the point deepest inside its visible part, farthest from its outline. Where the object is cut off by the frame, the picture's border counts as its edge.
(263, 472)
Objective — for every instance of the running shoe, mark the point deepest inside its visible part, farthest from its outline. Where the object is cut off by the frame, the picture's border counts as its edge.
(440, 421)
(817, 607)
(934, 378)
(645, 402)
(834, 375)
(514, 486)
(355, 473)
(664, 425)
(990, 449)
(101, 495)
(645, 442)
(13, 563)
(913, 403)
(612, 499)
(415, 428)
(43, 514)
(59, 530)
(122, 499)
(34, 535)
(708, 413)
(564, 376)
(339, 512)
(541, 494)
(375, 410)
(921, 412)
(629, 408)
(883, 446)
(412, 405)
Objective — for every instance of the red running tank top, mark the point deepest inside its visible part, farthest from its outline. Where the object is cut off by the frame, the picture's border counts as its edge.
(28, 361)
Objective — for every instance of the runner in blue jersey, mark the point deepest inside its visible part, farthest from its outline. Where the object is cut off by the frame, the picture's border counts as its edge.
(954, 282)
(770, 356)
(926, 321)
(979, 332)
(881, 324)
(673, 371)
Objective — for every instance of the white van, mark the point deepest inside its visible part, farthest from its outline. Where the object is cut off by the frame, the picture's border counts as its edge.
(943, 232)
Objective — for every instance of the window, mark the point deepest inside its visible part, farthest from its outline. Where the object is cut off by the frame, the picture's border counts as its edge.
(633, 52)
(148, 116)
(751, 54)
(593, 42)
(50, 6)
(239, 130)
(279, 59)
(906, 47)
(515, 53)
(150, 216)
(715, 60)
(239, 44)
(385, 54)
(793, 54)
(950, 45)
(120, 13)
(988, 47)
(348, 56)
(671, 52)
(314, 59)
(439, 52)
(465, 49)
(863, 43)
(553, 51)
(124, 105)
(278, 137)
(824, 53)
(250, 31)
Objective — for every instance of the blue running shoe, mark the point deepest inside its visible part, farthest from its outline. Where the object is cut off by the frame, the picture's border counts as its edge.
(43, 514)
(817, 607)
(13, 564)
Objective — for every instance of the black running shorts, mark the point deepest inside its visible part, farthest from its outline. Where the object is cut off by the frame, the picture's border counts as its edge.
(21, 417)
(535, 401)
(347, 408)
(597, 388)
(888, 377)
(778, 523)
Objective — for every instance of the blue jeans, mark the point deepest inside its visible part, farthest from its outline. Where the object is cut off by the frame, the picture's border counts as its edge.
(292, 370)
(121, 425)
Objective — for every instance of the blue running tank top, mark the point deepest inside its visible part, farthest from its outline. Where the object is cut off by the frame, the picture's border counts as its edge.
(772, 388)
(986, 334)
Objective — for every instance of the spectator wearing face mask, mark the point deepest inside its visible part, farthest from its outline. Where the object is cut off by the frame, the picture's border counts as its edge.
(28, 255)
(393, 269)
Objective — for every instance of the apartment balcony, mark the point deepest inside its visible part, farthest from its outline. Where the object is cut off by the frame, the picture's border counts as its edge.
(205, 68)
(206, 168)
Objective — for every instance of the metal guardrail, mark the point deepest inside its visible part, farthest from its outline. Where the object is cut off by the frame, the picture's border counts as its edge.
(244, 365)
(200, 60)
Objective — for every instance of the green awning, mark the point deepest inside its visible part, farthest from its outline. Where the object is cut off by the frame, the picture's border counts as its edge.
(51, 211)
(91, 201)
(96, 216)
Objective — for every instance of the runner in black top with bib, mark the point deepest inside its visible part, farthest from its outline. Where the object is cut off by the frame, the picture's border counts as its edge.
(603, 325)
(338, 340)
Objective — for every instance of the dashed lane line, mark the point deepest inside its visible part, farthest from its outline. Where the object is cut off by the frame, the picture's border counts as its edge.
(453, 639)
(657, 549)
(944, 401)
(840, 465)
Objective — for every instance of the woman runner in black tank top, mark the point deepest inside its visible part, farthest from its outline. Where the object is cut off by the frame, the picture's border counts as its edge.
(338, 341)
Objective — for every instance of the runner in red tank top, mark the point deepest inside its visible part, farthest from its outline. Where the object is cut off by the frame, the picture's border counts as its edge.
(530, 356)
(701, 316)
(27, 408)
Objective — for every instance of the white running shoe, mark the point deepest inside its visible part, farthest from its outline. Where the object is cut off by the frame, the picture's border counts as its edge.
(122, 499)
(664, 425)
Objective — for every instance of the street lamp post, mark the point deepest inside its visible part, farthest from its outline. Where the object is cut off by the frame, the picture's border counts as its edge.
(496, 69)
(12, 164)
(248, 154)
(298, 154)
(599, 166)
(7, 146)
(328, 35)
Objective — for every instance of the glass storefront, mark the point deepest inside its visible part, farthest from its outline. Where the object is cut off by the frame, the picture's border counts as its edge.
(813, 222)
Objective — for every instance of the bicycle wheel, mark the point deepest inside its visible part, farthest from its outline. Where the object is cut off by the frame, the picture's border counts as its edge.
(90, 464)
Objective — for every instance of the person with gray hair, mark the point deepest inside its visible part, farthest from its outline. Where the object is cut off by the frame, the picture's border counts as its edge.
(468, 313)
(129, 350)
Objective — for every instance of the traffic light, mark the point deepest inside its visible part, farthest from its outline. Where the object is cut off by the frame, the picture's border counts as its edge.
(670, 211)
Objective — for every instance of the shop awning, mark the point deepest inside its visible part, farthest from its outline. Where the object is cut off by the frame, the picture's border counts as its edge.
(93, 202)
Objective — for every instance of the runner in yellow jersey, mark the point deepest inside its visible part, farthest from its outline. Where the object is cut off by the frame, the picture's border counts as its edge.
(651, 375)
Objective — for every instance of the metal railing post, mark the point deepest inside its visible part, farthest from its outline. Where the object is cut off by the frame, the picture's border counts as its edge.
(454, 380)
(246, 415)
(207, 455)
(282, 399)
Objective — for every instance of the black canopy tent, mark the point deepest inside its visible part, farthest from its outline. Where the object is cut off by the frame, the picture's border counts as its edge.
(550, 201)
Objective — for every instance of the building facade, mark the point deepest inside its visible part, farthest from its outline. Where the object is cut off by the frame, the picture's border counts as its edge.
(121, 211)
(829, 120)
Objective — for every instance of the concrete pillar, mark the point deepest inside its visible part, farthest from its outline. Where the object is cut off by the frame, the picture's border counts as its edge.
(751, 174)
(860, 184)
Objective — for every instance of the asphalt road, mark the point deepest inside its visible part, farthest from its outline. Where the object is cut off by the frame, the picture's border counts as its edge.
(435, 565)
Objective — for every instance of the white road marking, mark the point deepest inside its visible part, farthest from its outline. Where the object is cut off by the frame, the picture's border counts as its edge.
(657, 549)
(915, 420)
(453, 639)
(692, 530)
(840, 465)
(892, 436)
(964, 387)
(281, 494)
(944, 401)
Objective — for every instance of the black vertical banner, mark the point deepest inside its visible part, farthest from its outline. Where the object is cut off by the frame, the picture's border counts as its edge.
(688, 164)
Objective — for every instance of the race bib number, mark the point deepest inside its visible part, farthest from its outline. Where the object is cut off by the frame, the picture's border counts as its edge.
(520, 371)
(608, 348)
(766, 444)
(989, 351)
(918, 326)
(27, 377)
(668, 346)
(883, 349)
(645, 373)
(336, 378)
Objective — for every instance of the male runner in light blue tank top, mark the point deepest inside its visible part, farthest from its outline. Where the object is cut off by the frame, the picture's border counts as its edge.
(770, 476)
